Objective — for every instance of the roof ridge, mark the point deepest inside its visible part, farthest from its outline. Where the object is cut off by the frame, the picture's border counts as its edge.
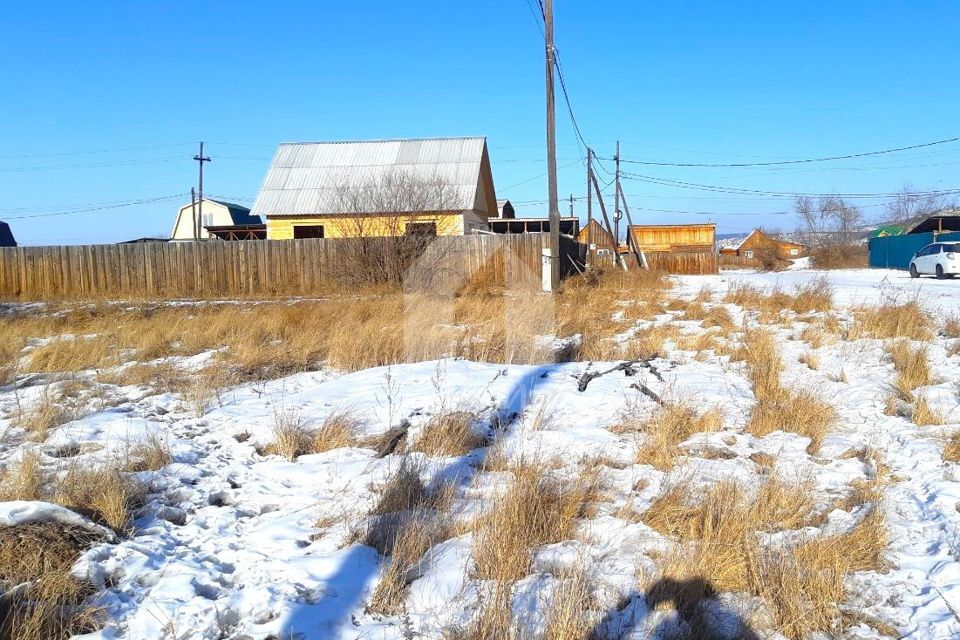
(384, 140)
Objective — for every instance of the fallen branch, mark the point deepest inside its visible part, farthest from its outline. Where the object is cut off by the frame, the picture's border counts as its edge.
(629, 369)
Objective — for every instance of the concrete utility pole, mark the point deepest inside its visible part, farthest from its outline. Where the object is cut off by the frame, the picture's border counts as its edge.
(552, 151)
(200, 159)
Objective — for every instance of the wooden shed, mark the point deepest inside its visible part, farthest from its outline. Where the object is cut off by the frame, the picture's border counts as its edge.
(677, 248)
(593, 234)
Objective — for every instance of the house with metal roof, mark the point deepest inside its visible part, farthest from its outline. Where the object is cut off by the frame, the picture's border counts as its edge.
(200, 222)
(6, 236)
(437, 186)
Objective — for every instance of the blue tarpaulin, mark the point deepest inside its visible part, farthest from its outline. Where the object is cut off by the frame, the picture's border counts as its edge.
(895, 252)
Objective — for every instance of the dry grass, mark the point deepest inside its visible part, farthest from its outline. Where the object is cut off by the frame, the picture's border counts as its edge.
(341, 428)
(47, 412)
(25, 480)
(891, 320)
(912, 367)
(570, 616)
(800, 412)
(149, 454)
(449, 433)
(923, 414)
(105, 495)
(722, 521)
(803, 584)
(51, 604)
(951, 449)
(810, 359)
(414, 537)
(813, 296)
(536, 509)
(663, 430)
(764, 365)
(842, 256)
(293, 434)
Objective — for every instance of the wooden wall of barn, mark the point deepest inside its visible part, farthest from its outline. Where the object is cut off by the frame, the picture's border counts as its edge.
(250, 268)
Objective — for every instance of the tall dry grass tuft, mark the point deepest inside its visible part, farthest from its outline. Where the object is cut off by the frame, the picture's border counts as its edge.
(536, 509)
(912, 367)
(951, 449)
(104, 495)
(44, 601)
(25, 480)
(663, 430)
(722, 521)
(340, 428)
(924, 415)
(760, 353)
(802, 412)
(570, 616)
(293, 434)
(814, 295)
(414, 537)
(891, 320)
(449, 433)
(148, 454)
(48, 412)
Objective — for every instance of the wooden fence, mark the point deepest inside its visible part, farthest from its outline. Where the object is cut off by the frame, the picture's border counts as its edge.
(248, 268)
(739, 262)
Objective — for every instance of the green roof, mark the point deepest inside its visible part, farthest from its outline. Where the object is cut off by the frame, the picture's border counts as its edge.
(888, 230)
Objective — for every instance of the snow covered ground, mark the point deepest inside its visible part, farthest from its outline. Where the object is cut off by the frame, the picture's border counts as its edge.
(236, 544)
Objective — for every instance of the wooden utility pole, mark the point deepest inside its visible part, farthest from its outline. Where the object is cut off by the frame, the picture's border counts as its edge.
(571, 205)
(616, 199)
(552, 150)
(200, 159)
(193, 213)
(589, 195)
(637, 252)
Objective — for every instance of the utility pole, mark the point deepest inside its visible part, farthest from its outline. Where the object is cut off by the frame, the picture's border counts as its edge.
(589, 195)
(552, 150)
(571, 205)
(200, 160)
(193, 213)
(616, 200)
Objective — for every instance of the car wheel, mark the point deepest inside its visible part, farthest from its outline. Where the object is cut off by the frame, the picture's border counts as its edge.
(939, 272)
(913, 271)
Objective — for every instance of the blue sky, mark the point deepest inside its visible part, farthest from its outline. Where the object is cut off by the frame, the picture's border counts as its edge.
(102, 102)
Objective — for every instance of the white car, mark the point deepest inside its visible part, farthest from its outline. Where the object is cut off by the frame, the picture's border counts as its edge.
(941, 259)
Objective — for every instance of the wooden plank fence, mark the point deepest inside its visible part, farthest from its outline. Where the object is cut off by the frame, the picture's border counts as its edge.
(246, 268)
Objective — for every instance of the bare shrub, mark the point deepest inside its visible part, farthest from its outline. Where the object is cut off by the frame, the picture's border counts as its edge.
(536, 509)
(840, 256)
(449, 434)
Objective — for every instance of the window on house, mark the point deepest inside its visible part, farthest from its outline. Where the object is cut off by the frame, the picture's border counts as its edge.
(421, 229)
(748, 254)
(301, 231)
(794, 252)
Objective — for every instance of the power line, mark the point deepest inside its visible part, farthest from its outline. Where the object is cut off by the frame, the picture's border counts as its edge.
(89, 165)
(797, 161)
(129, 203)
(93, 151)
(542, 175)
(783, 194)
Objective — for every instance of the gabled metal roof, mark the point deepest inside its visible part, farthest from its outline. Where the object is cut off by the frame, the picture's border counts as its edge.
(317, 177)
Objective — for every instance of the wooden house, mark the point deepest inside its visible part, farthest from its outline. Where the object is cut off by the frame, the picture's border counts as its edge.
(596, 236)
(677, 248)
(441, 186)
(762, 247)
(196, 222)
